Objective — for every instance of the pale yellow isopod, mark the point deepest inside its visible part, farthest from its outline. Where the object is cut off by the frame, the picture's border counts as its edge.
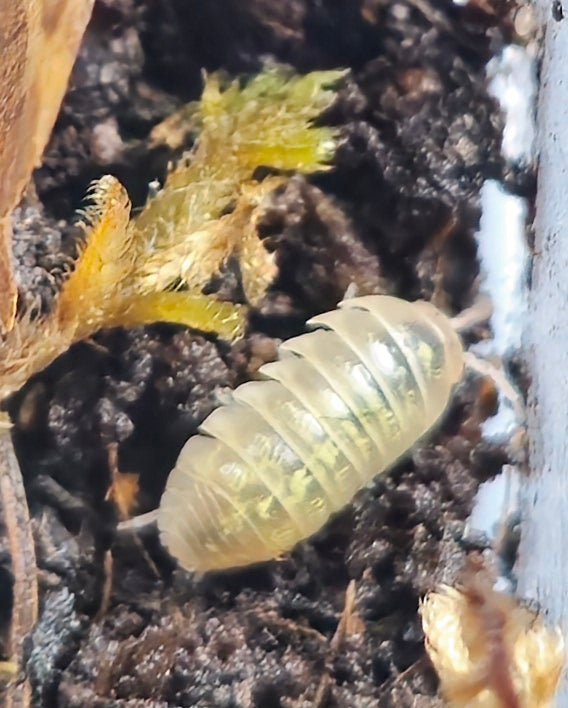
(342, 404)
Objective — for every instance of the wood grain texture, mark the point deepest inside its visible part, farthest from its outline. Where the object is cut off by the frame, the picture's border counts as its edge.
(543, 557)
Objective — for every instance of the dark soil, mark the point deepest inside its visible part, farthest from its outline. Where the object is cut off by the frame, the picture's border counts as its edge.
(398, 214)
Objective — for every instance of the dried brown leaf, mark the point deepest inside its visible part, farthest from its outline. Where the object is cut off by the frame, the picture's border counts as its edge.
(39, 40)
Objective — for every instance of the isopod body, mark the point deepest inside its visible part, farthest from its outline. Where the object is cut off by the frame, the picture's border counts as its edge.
(342, 403)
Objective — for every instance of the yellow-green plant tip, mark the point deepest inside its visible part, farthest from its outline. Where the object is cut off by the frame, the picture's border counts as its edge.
(193, 310)
(268, 122)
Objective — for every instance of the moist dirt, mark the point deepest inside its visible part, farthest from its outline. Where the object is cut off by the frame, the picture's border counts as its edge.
(419, 135)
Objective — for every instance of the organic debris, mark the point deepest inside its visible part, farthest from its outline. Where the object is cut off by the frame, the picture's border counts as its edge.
(153, 267)
(350, 621)
(489, 650)
(125, 486)
(14, 512)
(422, 135)
(39, 40)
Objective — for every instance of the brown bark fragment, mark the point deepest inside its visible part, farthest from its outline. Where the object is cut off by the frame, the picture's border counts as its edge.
(38, 44)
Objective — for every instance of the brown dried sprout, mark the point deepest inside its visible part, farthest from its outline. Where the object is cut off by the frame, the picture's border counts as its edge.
(488, 650)
(39, 40)
(124, 488)
(153, 267)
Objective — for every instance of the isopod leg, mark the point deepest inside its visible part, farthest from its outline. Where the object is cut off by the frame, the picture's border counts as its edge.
(497, 374)
(477, 314)
(138, 523)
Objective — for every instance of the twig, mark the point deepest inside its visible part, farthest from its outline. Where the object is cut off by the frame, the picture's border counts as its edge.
(123, 506)
(106, 593)
(323, 693)
(349, 622)
(24, 569)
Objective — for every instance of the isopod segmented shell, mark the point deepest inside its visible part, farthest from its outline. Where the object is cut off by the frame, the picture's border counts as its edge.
(342, 403)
